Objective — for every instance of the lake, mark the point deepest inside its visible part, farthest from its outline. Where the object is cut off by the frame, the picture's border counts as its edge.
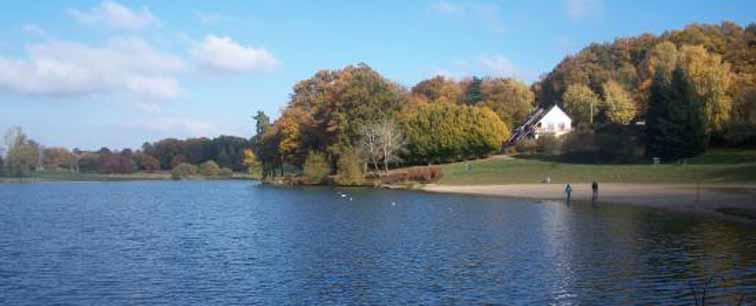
(239, 243)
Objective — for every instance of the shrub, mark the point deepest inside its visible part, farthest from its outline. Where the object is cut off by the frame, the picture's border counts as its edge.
(444, 132)
(350, 171)
(548, 144)
(316, 168)
(183, 170)
(526, 146)
(226, 172)
(421, 174)
(209, 168)
(741, 133)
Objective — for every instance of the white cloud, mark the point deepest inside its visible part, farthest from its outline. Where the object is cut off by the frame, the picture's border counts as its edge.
(115, 16)
(223, 55)
(67, 69)
(579, 9)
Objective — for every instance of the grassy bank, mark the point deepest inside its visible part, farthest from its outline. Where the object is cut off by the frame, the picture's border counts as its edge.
(719, 166)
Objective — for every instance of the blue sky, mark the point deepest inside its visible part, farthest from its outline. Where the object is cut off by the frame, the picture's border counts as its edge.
(89, 74)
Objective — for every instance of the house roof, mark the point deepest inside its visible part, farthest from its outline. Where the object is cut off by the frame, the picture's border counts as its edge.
(527, 126)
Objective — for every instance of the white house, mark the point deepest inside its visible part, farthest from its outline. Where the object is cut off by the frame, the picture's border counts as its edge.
(543, 121)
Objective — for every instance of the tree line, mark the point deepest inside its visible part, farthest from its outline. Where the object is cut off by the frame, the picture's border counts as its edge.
(23, 156)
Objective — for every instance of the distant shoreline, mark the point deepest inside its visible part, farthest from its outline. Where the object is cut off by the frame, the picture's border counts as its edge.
(731, 199)
(95, 177)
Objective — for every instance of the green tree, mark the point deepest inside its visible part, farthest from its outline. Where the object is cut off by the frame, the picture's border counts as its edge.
(316, 167)
(474, 93)
(676, 123)
(442, 132)
(581, 103)
(350, 170)
(618, 106)
(262, 123)
(209, 169)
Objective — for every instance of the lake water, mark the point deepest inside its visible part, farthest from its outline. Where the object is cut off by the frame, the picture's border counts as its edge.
(237, 243)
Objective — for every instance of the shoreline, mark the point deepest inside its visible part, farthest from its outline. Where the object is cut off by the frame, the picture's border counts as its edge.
(730, 199)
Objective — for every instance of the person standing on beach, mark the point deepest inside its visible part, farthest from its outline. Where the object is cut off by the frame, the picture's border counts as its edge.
(568, 191)
(594, 186)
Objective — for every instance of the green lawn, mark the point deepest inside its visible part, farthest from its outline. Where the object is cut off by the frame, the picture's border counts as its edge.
(718, 166)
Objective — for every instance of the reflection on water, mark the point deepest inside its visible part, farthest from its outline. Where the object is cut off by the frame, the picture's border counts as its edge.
(236, 243)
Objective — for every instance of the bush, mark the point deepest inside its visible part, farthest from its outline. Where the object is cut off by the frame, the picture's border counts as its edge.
(350, 172)
(421, 174)
(226, 172)
(209, 168)
(549, 144)
(316, 168)
(183, 170)
(527, 145)
(444, 132)
(740, 134)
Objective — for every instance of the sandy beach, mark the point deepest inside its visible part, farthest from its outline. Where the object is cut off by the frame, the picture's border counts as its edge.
(673, 196)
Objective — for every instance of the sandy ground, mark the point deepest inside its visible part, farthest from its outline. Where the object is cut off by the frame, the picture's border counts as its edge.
(710, 197)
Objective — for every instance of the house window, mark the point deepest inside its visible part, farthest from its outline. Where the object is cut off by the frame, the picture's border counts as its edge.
(561, 126)
(551, 126)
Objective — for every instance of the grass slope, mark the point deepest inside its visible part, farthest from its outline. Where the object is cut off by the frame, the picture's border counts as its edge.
(719, 166)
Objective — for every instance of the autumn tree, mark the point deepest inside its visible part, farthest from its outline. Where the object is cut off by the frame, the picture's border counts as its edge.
(581, 103)
(710, 79)
(349, 169)
(146, 162)
(510, 99)
(618, 105)
(23, 154)
(250, 161)
(439, 89)
(55, 158)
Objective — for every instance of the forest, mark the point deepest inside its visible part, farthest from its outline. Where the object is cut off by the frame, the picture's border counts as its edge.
(670, 96)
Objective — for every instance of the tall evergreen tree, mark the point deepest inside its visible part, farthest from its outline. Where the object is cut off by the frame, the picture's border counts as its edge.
(262, 123)
(474, 94)
(676, 122)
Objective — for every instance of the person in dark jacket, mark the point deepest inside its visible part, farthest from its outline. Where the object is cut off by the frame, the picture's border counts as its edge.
(594, 187)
